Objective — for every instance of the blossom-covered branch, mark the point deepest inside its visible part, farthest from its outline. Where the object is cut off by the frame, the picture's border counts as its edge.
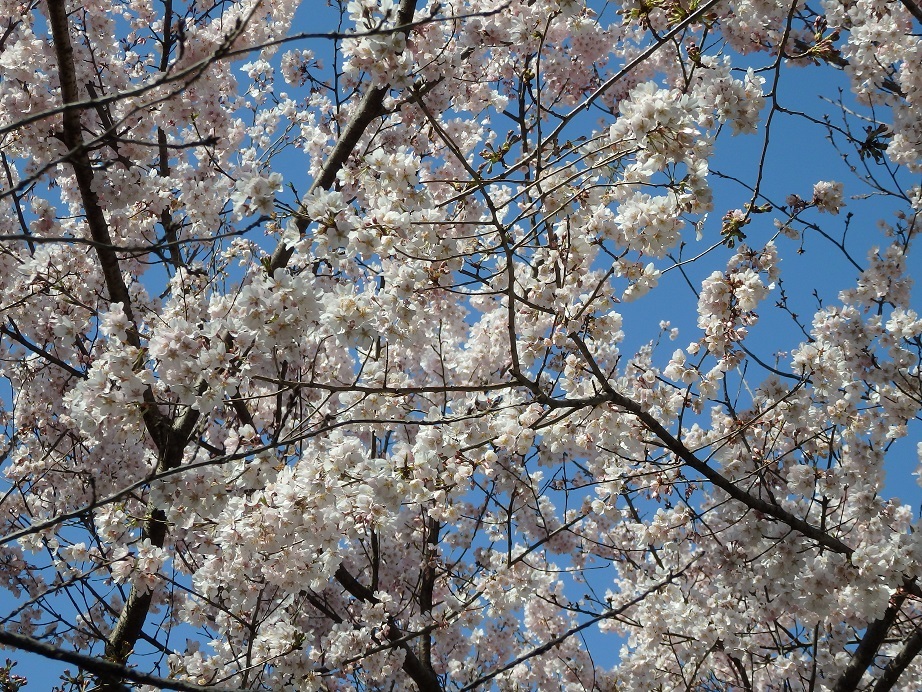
(401, 349)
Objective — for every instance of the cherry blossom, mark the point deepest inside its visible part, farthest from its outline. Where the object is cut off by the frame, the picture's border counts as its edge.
(391, 344)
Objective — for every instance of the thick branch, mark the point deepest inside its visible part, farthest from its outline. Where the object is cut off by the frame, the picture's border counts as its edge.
(95, 218)
(80, 160)
(864, 655)
(911, 649)
(427, 585)
(741, 672)
(100, 666)
(685, 454)
(424, 676)
(368, 110)
(914, 9)
(169, 443)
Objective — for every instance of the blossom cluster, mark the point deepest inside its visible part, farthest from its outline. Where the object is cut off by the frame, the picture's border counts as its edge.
(359, 376)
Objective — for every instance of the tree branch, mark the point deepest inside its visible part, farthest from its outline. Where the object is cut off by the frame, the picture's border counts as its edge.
(556, 641)
(17, 336)
(424, 676)
(80, 161)
(864, 655)
(100, 666)
(368, 110)
(686, 455)
(427, 584)
(913, 8)
(169, 444)
(911, 648)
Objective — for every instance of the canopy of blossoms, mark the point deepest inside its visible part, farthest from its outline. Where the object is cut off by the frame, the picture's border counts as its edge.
(315, 358)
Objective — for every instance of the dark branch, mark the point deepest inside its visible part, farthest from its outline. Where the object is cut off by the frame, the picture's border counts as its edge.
(368, 110)
(424, 676)
(556, 641)
(913, 8)
(685, 454)
(899, 663)
(867, 649)
(99, 666)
